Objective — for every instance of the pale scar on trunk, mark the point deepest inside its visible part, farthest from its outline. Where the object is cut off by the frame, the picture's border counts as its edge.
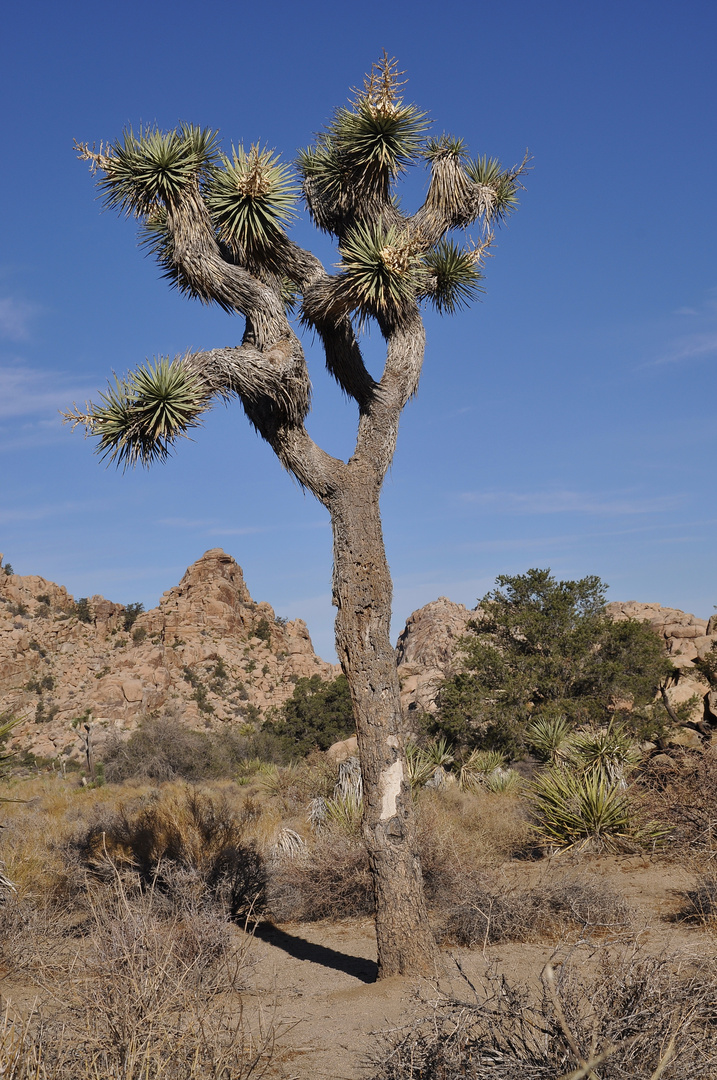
(390, 789)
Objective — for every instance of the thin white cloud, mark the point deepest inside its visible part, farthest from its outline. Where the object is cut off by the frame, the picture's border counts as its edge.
(15, 316)
(26, 391)
(568, 502)
(690, 348)
(39, 513)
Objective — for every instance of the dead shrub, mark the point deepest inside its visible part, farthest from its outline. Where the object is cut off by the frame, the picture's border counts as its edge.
(150, 995)
(701, 902)
(331, 880)
(165, 748)
(684, 797)
(180, 842)
(485, 914)
(631, 1016)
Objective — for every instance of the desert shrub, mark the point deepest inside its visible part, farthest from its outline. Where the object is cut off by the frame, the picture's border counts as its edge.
(130, 615)
(151, 997)
(634, 1016)
(138, 635)
(332, 880)
(682, 794)
(700, 903)
(164, 748)
(172, 831)
(83, 611)
(262, 630)
(482, 913)
(316, 715)
(588, 811)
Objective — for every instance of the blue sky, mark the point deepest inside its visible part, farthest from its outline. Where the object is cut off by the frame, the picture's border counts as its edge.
(568, 420)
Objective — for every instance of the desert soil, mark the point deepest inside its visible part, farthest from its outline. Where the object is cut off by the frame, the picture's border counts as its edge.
(316, 981)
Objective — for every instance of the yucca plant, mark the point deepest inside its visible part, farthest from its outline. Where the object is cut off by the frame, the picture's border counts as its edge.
(218, 224)
(139, 417)
(479, 765)
(420, 767)
(587, 811)
(610, 750)
(251, 197)
(345, 813)
(503, 781)
(551, 737)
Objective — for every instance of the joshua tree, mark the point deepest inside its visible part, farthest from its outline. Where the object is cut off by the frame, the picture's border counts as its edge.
(217, 224)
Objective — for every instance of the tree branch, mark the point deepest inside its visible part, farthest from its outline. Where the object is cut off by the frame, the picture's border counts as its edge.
(274, 389)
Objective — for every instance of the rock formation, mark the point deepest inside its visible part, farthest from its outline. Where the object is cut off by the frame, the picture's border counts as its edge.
(208, 650)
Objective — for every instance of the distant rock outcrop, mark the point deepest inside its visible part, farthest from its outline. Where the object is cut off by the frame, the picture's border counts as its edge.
(208, 650)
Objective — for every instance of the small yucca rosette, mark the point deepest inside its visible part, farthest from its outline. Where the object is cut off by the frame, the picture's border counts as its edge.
(139, 417)
(499, 186)
(381, 268)
(453, 280)
(251, 197)
(152, 169)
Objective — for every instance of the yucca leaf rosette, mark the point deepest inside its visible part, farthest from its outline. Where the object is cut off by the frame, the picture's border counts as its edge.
(453, 281)
(153, 168)
(380, 269)
(251, 197)
(138, 418)
(500, 186)
(357, 157)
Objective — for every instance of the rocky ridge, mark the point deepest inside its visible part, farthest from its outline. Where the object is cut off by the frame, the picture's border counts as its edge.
(208, 649)
(427, 650)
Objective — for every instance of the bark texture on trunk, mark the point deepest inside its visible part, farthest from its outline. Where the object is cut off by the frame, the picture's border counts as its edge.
(362, 594)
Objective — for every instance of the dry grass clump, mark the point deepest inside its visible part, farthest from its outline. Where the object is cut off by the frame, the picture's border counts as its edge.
(179, 841)
(149, 995)
(330, 880)
(484, 913)
(683, 795)
(630, 1017)
(700, 904)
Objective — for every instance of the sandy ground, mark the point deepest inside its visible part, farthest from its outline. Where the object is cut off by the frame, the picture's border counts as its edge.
(317, 981)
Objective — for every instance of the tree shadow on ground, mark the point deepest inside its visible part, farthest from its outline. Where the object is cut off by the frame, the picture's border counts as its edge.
(302, 949)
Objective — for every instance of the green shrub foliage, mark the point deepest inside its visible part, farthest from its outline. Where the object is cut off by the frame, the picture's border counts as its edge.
(316, 715)
(541, 646)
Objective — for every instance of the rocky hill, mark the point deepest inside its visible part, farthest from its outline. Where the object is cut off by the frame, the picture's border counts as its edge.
(427, 650)
(213, 654)
(208, 650)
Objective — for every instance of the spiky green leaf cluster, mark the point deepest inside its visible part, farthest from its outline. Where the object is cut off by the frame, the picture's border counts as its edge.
(349, 171)
(7, 723)
(587, 810)
(502, 183)
(380, 269)
(444, 146)
(251, 198)
(139, 417)
(151, 169)
(453, 280)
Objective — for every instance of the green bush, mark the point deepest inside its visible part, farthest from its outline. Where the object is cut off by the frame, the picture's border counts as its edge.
(83, 611)
(262, 630)
(541, 646)
(131, 613)
(316, 715)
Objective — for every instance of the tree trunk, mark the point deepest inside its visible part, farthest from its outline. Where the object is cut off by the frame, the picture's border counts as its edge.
(362, 594)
